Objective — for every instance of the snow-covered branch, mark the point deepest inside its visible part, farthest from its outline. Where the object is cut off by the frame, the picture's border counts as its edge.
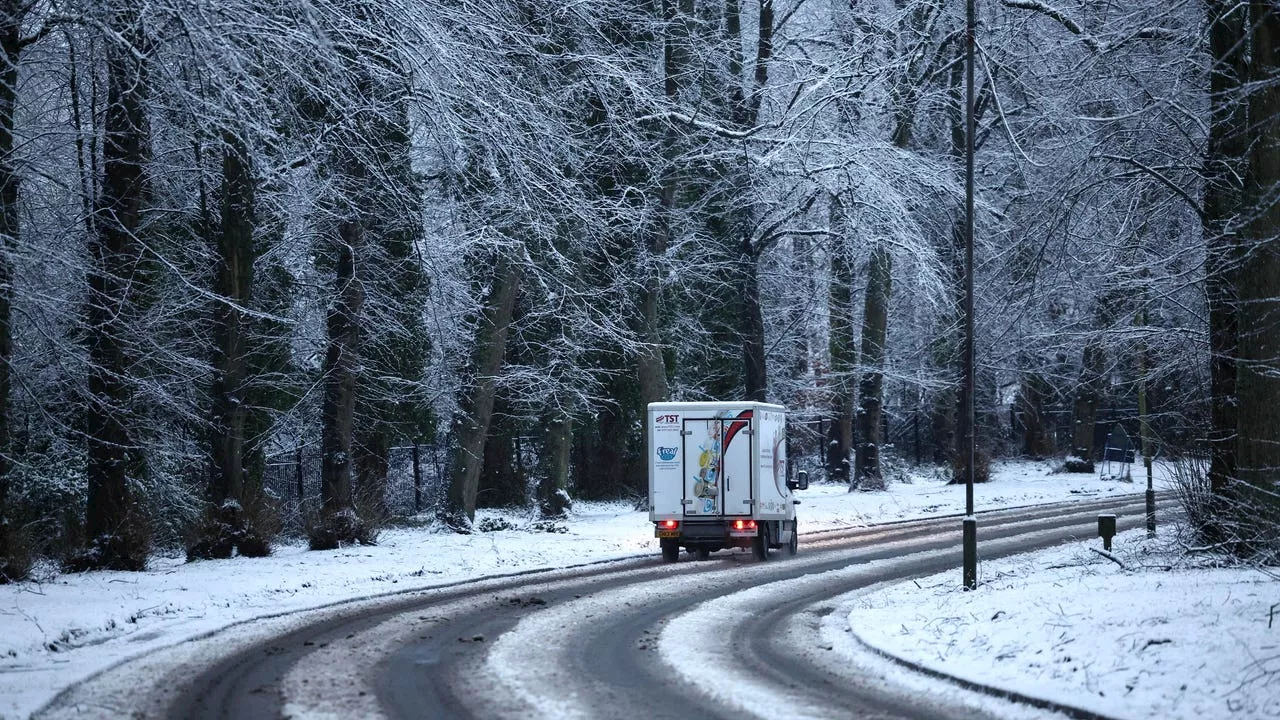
(1060, 16)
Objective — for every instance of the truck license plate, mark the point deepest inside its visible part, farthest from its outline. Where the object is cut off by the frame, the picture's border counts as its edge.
(668, 533)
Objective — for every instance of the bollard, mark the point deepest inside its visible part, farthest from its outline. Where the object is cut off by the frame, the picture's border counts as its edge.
(1106, 530)
(969, 529)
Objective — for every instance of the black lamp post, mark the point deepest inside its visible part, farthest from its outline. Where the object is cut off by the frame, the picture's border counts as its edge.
(970, 520)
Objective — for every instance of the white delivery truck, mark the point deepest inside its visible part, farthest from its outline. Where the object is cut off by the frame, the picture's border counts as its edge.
(718, 478)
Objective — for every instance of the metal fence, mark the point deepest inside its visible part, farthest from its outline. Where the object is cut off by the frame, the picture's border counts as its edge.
(293, 478)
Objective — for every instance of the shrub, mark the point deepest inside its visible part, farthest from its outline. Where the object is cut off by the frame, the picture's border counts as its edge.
(981, 468)
(1239, 520)
(125, 549)
(1077, 464)
(495, 524)
(344, 527)
(16, 559)
(247, 529)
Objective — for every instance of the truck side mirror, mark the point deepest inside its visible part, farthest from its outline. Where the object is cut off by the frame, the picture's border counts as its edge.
(801, 482)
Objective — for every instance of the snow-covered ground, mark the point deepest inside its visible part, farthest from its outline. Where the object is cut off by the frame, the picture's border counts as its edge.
(1050, 615)
(1164, 636)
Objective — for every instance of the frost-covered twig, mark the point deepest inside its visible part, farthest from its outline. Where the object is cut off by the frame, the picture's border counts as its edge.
(1110, 557)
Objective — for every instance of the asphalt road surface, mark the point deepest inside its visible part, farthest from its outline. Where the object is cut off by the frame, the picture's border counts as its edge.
(724, 638)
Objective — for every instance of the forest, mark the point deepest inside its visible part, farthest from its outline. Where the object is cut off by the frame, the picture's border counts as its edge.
(307, 267)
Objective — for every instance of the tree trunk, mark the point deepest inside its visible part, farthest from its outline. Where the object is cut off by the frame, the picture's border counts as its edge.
(843, 361)
(950, 416)
(652, 371)
(871, 421)
(875, 321)
(298, 478)
(115, 538)
(1146, 444)
(475, 410)
(1223, 163)
(235, 516)
(10, 42)
(417, 478)
(605, 466)
(553, 483)
(1258, 277)
(744, 108)
(235, 283)
(1036, 440)
(373, 451)
(753, 350)
(1084, 413)
(502, 484)
(341, 367)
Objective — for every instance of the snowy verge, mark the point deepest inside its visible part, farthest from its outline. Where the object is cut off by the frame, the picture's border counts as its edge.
(1157, 638)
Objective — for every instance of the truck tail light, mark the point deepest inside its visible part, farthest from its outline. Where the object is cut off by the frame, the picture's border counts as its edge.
(744, 524)
(669, 524)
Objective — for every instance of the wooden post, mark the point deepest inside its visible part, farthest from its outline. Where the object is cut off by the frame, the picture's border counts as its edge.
(297, 474)
(915, 422)
(417, 480)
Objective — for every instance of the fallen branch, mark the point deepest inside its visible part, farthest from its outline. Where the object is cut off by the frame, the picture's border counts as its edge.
(1110, 557)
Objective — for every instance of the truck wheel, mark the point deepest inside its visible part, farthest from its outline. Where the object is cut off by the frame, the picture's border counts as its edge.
(794, 546)
(703, 553)
(760, 543)
(670, 551)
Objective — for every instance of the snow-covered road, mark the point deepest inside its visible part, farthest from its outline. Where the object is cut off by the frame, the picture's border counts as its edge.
(637, 638)
(65, 628)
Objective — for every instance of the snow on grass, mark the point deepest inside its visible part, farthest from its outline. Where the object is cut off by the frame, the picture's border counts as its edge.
(927, 494)
(1160, 638)
(63, 627)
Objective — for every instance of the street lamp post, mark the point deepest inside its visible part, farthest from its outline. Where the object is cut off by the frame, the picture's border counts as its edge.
(1144, 427)
(970, 520)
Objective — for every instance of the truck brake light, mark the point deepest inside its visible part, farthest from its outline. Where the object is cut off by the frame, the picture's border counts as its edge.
(744, 524)
(669, 524)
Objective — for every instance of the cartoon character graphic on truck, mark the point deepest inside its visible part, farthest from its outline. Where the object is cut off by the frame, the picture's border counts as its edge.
(706, 488)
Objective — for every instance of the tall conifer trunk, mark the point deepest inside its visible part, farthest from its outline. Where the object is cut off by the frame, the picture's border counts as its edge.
(676, 15)
(341, 369)
(744, 110)
(875, 330)
(1036, 439)
(234, 282)
(234, 516)
(843, 356)
(115, 539)
(1258, 280)
(11, 44)
(1224, 156)
(753, 349)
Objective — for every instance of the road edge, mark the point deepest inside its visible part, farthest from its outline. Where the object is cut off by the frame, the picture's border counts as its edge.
(1070, 711)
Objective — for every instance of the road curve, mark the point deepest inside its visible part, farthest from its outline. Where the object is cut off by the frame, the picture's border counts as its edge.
(631, 638)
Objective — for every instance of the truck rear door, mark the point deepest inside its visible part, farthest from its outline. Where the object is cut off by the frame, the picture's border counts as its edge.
(717, 466)
(666, 485)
